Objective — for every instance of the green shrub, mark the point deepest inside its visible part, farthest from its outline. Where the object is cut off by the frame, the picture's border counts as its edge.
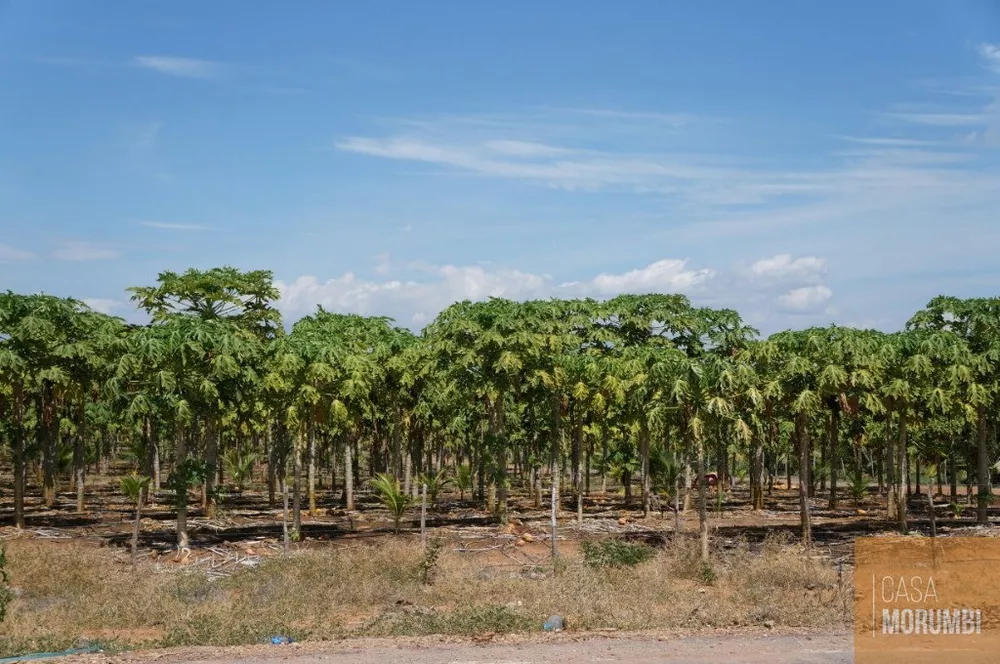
(615, 553)
(395, 499)
(6, 595)
(859, 488)
(429, 561)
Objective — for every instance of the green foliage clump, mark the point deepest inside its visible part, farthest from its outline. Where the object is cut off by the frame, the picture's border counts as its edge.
(615, 553)
(133, 485)
(189, 474)
(6, 594)
(463, 480)
(239, 467)
(436, 483)
(859, 488)
(392, 496)
(429, 560)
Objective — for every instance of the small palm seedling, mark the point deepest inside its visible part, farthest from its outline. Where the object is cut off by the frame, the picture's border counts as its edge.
(239, 467)
(391, 495)
(134, 487)
(435, 483)
(463, 480)
(859, 489)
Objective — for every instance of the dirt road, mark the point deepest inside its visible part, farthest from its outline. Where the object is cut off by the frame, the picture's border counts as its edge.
(760, 648)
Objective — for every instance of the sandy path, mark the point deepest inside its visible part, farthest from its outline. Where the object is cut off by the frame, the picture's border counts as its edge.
(752, 648)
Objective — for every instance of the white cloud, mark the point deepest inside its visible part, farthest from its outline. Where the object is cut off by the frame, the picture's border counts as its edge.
(174, 227)
(808, 299)
(416, 301)
(103, 305)
(9, 254)
(182, 67)
(991, 54)
(523, 149)
(84, 251)
(382, 264)
(664, 276)
(783, 266)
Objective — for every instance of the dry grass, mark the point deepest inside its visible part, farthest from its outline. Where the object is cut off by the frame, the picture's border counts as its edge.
(72, 590)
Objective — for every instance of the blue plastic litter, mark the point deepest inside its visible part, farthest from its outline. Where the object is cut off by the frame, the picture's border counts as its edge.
(554, 624)
(281, 640)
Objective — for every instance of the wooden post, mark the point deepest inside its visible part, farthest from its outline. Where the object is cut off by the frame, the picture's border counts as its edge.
(677, 505)
(930, 501)
(423, 516)
(555, 507)
(284, 513)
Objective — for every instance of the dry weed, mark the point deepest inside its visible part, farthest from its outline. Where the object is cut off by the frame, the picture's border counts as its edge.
(68, 591)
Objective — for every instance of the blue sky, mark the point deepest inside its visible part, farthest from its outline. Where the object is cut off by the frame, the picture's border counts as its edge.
(801, 162)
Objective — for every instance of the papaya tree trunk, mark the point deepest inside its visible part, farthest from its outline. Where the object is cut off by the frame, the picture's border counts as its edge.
(644, 461)
(834, 456)
(903, 475)
(702, 500)
(348, 476)
(312, 467)
(212, 463)
(297, 486)
(180, 456)
(802, 438)
(135, 527)
(985, 495)
(79, 456)
(19, 465)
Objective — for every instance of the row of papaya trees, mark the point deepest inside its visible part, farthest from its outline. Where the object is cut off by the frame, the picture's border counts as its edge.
(646, 392)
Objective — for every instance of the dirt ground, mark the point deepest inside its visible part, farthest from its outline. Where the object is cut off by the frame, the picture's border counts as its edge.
(733, 648)
(247, 518)
(246, 532)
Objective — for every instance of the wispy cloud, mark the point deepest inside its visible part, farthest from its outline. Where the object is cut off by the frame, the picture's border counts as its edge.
(889, 142)
(9, 254)
(524, 149)
(990, 53)
(562, 167)
(940, 119)
(930, 158)
(103, 305)
(84, 251)
(673, 119)
(174, 227)
(181, 67)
